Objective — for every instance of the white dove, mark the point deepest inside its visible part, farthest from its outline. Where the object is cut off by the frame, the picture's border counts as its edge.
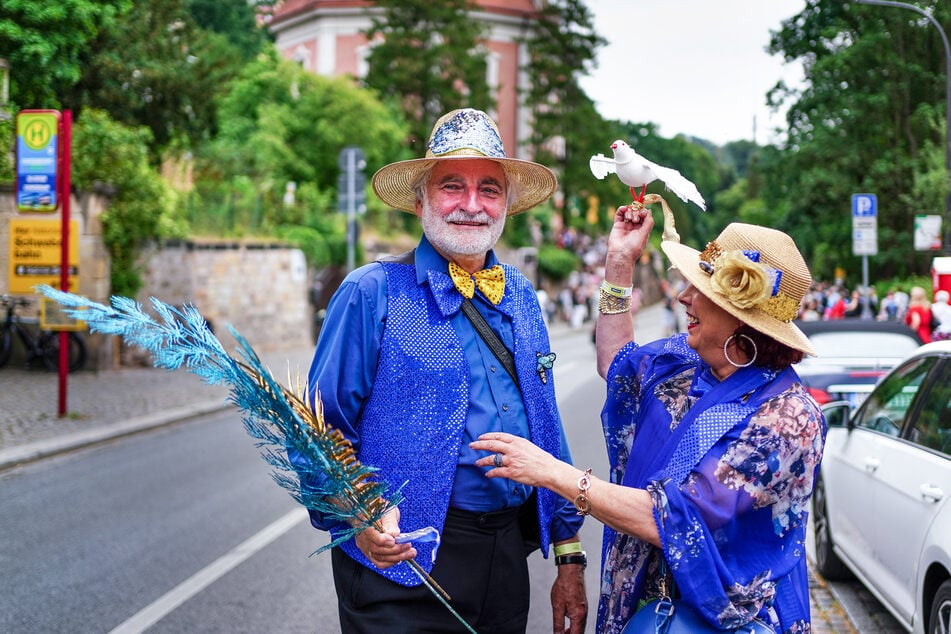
(636, 171)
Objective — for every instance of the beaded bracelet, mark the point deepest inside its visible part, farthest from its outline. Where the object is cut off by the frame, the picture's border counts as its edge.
(581, 501)
(609, 304)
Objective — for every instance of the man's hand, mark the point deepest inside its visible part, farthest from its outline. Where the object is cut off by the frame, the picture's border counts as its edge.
(568, 600)
(381, 547)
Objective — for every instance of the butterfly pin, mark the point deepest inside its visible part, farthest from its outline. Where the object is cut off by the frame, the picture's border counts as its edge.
(545, 362)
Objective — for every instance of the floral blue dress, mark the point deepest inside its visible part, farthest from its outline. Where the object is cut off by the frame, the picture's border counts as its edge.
(730, 467)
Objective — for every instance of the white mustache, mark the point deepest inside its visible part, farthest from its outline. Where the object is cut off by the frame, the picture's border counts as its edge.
(461, 216)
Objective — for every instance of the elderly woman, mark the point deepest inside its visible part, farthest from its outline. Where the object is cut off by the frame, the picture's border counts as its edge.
(713, 443)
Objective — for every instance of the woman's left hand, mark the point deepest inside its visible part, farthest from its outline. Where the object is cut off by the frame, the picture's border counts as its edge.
(514, 458)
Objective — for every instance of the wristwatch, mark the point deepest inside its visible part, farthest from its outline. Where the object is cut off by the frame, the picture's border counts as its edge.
(572, 558)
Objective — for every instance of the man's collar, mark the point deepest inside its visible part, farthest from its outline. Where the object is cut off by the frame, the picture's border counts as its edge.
(432, 266)
(429, 259)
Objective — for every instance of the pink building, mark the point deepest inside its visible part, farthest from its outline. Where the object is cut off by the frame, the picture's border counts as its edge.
(325, 37)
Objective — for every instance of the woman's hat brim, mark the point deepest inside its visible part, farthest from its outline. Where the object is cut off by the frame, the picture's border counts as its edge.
(687, 262)
(535, 183)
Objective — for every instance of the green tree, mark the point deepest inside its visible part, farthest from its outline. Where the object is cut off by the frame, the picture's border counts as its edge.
(871, 108)
(566, 127)
(46, 41)
(156, 67)
(428, 58)
(141, 209)
(235, 19)
(281, 124)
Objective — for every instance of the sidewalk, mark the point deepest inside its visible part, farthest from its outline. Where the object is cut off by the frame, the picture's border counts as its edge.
(110, 403)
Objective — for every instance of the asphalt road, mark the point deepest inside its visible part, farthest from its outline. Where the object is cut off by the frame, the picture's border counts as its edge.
(100, 535)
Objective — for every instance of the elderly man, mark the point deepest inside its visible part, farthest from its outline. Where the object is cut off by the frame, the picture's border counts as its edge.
(418, 356)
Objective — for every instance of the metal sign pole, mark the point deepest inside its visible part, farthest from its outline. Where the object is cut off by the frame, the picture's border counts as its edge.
(351, 208)
(65, 190)
(866, 305)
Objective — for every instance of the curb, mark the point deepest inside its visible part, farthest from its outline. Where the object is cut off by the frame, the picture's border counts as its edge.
(24, 454)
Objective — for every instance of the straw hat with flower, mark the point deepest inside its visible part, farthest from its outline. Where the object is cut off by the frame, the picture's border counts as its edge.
(754, 273)
(465, 134)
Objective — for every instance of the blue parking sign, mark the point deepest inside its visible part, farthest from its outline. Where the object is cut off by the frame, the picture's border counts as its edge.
(864, 224)
(864, 205)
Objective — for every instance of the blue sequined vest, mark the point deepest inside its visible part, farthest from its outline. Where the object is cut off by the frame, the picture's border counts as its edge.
(416, 412)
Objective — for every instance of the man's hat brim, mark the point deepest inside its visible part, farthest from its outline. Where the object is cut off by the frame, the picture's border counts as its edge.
(535, 183)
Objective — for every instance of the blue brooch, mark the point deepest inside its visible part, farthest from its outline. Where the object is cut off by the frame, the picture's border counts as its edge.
(545, 362)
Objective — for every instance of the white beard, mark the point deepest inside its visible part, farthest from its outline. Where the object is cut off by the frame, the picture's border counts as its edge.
(450, 240)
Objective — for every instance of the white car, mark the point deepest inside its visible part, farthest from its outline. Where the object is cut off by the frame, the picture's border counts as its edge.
(882, 505)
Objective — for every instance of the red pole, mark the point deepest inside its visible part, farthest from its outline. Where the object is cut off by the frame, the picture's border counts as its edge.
(65, 192)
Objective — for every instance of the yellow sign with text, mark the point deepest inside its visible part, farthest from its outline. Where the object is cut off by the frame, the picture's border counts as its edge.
(36, 254)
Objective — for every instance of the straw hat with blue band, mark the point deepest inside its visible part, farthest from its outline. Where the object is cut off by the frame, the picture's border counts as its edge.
(465, 134)
(754, 273)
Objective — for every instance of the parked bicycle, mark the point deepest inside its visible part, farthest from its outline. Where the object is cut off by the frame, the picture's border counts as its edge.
(42, 345)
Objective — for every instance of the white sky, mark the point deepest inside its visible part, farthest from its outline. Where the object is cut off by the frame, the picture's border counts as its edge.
(695, 67)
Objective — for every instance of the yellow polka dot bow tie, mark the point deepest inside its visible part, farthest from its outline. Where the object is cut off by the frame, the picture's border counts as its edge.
(490, 281)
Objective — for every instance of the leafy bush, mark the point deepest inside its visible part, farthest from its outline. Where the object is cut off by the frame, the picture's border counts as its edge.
(7, 139)
(143, 207)
(557, 263)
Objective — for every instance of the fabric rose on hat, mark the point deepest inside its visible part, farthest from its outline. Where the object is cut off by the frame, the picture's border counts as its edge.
(743, 282)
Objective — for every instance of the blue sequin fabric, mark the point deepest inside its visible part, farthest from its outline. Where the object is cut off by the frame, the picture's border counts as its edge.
(467, 128)
(416, 440)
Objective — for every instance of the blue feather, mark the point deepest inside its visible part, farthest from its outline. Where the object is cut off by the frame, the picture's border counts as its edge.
(273, 415)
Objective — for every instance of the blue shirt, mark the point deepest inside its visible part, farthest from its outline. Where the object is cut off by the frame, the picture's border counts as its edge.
(344, 371)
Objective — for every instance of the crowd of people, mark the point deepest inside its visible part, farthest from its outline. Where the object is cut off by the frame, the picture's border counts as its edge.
(575, 302)
(931, 320)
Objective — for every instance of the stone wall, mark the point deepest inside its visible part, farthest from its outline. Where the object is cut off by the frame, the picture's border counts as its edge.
(259, 289)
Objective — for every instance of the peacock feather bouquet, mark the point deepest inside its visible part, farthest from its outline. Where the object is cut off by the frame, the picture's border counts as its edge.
(276, 416)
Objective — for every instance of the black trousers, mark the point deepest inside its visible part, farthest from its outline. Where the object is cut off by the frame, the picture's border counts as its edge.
(481, 564)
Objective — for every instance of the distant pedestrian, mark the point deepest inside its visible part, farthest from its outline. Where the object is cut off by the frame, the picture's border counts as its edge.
(919, 313)
(901, 298)
(853, 307)
(811, 311)
(889, 310)
(836, 309)
(941, 312)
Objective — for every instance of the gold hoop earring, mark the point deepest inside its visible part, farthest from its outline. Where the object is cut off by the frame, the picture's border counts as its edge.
(726, 344)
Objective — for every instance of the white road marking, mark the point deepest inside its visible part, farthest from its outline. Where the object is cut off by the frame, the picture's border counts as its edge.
(152, 614)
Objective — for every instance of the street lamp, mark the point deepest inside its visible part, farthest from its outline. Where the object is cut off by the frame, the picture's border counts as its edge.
(947, 108)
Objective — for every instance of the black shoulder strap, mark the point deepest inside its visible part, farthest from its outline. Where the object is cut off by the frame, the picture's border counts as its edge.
(491, 339)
